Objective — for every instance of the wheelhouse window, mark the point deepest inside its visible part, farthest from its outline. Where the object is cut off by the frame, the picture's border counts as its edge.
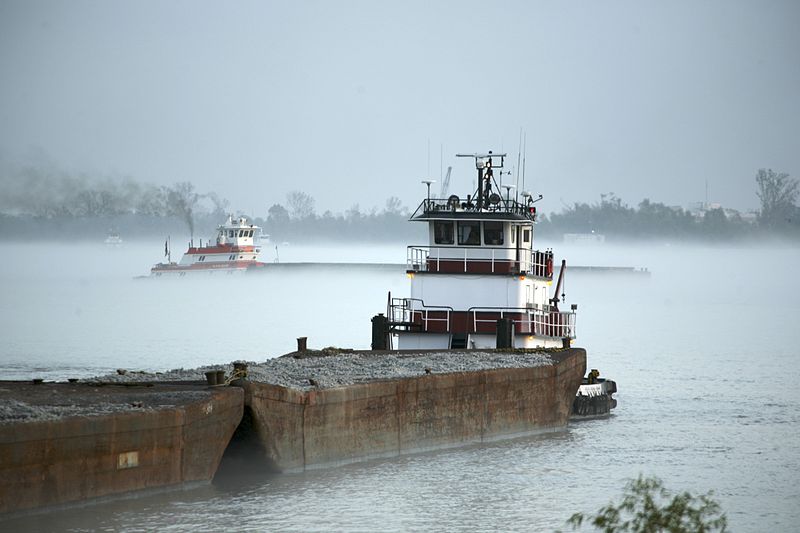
(469, 233)
(526, 236)
(443, 232)
(493, 233)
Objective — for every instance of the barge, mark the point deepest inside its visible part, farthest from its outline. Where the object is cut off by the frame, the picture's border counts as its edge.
(63, 444)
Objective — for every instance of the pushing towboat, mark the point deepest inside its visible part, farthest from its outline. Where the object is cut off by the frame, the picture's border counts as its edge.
(233, 250)
(479, 282)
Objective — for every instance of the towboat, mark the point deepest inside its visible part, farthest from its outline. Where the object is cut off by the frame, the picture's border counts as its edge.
(479, 283)
(233, 250)
(113, 239)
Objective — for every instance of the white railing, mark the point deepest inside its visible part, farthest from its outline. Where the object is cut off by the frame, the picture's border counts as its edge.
(540, 323)
(500, 260)
(559, 324)
(405, 311)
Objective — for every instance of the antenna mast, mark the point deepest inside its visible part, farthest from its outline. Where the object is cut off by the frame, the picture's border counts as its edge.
(441, 161)
(519, 154)
(524, 157)
(429, 158)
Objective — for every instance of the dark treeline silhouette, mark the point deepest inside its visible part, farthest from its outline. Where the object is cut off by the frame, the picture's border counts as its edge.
(779, 216)
(649, 220)
(41, 205)
(41, 202)
(299, 222)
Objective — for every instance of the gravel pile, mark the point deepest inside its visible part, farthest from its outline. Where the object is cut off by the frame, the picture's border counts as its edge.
(12, 410)
(347, 368)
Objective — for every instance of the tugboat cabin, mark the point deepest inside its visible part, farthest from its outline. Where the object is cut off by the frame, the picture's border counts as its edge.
(479, 267)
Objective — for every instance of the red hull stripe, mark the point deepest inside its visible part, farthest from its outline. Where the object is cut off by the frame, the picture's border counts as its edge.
(222, 265)
(222, 249)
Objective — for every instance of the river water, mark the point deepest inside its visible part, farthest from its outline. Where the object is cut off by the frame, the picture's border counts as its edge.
(705, 352)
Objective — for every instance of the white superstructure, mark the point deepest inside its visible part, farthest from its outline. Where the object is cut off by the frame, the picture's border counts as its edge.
(479, 272)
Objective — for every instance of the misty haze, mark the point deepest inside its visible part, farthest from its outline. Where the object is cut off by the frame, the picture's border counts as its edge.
(662, 137)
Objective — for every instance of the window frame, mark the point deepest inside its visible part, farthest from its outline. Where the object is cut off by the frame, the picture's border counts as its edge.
(444, 223)
(472, 224)
(500, 230)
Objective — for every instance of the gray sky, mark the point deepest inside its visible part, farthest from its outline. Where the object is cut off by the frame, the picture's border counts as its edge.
(343, 99)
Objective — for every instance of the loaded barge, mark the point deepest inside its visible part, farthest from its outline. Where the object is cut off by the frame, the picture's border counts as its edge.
(71, 443)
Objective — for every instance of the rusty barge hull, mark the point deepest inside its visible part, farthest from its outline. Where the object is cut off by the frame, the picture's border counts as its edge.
(302, 430)
(75, 460)
(79, 459)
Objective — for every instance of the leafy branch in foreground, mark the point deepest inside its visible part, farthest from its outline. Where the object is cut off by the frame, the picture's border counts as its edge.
(647, 507)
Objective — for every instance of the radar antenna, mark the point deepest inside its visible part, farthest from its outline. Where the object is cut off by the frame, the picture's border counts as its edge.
(484, 163)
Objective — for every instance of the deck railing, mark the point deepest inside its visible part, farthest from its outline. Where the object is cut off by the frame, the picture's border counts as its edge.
(480, 260)
(411, 314)
(404, 313)
(449, 205)
(545, 322)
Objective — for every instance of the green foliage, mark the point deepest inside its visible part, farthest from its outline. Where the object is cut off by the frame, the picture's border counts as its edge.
(647, 507)
(777, 193)
(650, 220)
(301, 205)
(391, 223)
(42, 200)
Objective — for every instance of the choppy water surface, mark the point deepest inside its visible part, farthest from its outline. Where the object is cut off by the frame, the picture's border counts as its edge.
(705, 352)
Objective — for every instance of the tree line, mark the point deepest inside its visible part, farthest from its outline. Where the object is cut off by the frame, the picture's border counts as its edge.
(45, 204)
(778, 216)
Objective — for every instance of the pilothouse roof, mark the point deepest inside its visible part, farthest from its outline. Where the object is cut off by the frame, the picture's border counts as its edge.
(486, 203)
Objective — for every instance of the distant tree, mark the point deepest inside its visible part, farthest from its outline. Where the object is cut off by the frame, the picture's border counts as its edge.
(220, 205)
(778, 193)
(394, 206)
(353, 213)
(715, 224)
(152, 201)
(301, 205)
(181, 202)
(611, 215)
(277, 215)
(647, 507)
(657, 219)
